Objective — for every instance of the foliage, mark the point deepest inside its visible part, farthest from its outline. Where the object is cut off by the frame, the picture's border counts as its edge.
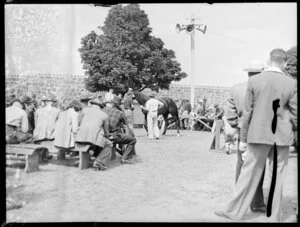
(291, 67)
(126, 55)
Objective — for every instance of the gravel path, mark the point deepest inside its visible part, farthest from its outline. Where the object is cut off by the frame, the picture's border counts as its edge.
(176, 179)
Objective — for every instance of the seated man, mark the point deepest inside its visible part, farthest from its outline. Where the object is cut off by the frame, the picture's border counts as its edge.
(93, 130)
(16, 123)
(119, 130)
(29, 109)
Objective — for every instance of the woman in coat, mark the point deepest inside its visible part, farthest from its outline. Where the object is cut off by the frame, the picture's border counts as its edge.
(66, 126)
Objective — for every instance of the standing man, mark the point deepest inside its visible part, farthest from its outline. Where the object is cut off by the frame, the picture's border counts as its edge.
(93, 130)
(234, 113)
(16, 123)
(151, 107)
(109, 97)
(258, 133)
(129, 107)
(120, 132)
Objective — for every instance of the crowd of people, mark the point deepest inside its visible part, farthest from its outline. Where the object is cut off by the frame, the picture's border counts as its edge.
(102, 125)
(206, 112)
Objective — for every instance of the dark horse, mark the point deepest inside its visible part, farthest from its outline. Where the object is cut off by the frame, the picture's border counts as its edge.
(169, 107)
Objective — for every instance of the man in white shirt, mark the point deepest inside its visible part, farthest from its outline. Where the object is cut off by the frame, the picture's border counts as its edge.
(16, 123)
(109, 97)
(151, 107)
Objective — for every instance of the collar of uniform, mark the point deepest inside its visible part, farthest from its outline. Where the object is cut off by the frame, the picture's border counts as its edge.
(273, 69)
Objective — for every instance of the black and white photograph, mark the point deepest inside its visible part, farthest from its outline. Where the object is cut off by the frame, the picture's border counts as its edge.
(151, 112)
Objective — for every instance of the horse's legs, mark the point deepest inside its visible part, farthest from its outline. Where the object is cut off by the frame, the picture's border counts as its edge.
(176, 119)
(145, 123)
(166, 124)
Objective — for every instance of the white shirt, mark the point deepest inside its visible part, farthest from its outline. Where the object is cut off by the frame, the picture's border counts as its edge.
(15, 116)
(153, 104)
(109, 97)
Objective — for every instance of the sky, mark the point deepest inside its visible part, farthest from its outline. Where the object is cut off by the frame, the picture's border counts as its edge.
(237, 34)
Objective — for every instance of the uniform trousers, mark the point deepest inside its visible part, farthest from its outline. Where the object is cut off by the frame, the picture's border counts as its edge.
(250, 176)
(152, 123)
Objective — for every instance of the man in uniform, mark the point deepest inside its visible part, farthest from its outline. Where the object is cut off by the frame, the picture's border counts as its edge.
(151, 107)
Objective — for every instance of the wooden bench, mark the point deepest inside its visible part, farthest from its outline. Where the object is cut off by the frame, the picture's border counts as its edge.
(32, 152)
(84, 155)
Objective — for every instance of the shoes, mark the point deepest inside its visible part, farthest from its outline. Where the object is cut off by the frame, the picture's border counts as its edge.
(221, 214)
(47, 158)
(74, 153)
(157, 138)
(98, 167)
(126, 161)
(261, 209)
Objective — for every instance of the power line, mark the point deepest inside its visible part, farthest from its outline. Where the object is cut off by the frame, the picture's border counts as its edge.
(231, 38)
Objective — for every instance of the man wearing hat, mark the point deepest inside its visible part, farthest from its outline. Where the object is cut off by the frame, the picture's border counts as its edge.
(16, 123)
(151, 107)
(268, 123)
(233, 116)
(45, 120)
(93, 130)
(120, 130)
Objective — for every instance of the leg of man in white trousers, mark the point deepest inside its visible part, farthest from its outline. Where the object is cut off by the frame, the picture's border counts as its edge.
(155, 125)
(150, 125)
(251, 172)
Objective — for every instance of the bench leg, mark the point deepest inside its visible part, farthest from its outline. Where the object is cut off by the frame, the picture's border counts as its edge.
(83, 160)
(32, 162)
(113, 154)
(61, 154)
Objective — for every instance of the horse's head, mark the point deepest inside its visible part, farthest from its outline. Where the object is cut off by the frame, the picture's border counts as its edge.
(140, 97)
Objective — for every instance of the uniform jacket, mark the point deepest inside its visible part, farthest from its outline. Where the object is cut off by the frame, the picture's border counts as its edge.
(66, 126)
(236, 104)
(45, 120)
(91, 121)
(262, 90)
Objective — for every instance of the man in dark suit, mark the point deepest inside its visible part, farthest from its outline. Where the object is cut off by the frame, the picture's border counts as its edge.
(258, 133)
(234, 112)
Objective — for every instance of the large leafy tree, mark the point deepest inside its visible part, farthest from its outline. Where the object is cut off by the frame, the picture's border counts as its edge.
(291, 67)
(127, 55)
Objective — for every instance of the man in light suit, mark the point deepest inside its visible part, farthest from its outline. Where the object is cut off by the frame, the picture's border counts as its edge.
(234, 112)
(257, 131)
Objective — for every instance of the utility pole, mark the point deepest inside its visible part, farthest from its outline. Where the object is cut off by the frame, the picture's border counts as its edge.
(190, 29)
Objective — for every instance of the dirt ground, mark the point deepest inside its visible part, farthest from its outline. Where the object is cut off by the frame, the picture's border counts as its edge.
(176, 179)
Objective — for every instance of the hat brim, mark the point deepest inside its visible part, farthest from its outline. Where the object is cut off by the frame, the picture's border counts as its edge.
(253, 70)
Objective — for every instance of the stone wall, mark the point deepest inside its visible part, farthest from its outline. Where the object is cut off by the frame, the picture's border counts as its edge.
(72, 86)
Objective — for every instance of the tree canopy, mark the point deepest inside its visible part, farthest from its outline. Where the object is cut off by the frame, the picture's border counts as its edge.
(127, 55)
(291, 67)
